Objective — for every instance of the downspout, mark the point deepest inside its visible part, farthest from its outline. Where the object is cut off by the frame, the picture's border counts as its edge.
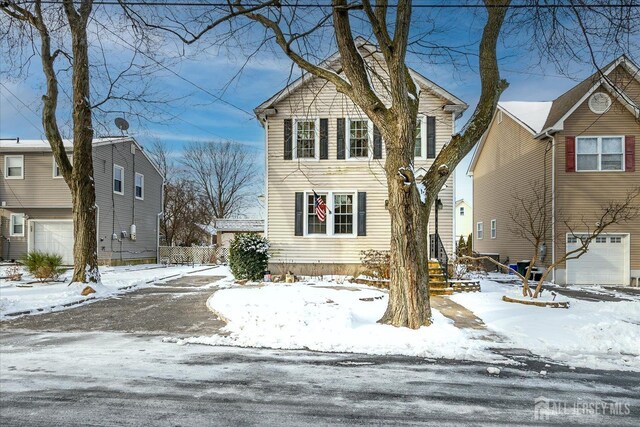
(97, 227)
(158, 236)
(266, 177)
(553, 203)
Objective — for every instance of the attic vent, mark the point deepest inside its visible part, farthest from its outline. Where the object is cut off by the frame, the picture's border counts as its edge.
(599, 102)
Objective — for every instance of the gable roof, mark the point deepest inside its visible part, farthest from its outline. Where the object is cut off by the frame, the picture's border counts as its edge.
(333, 63)
(531, 115)
(568, 101)
(233, 225)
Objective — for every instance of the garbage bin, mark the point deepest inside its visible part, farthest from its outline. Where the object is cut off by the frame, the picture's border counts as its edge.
(513, 267)
(522, 267)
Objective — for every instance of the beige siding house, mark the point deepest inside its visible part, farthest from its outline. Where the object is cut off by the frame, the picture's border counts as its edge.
(464, 219)
(583, 147)
(35, 202)
(318, 141)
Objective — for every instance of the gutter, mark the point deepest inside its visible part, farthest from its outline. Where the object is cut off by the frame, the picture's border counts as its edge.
(553, 202)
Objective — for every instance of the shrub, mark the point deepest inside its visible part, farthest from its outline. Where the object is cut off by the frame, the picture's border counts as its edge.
(13, 273)
(376, 263)
(43, 266)
(248, 256)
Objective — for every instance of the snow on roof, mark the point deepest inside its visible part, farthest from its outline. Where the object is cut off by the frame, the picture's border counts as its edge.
(532, 114)
(42, 144)
(246, 225)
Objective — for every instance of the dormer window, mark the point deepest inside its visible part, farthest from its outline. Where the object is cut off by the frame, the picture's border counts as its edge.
(306, 139)
(358, 138)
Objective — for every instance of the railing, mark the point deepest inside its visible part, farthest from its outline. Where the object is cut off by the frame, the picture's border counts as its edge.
(188, 255)
(438, 251)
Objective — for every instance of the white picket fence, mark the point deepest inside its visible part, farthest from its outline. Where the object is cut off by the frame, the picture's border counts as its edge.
(188, 255)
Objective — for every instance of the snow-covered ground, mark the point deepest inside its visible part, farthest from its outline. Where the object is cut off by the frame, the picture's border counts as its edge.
(599, 334)
(18, 297)
(327, 316)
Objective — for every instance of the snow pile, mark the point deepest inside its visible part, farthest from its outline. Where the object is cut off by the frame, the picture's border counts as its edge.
(603, 335)
(326, 317)
(18, 297)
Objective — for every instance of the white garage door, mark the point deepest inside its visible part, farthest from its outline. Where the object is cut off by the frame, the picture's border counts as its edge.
(605, 263)
(54, 237)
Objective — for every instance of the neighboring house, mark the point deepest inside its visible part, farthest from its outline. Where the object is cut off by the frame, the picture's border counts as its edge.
(464, 219)
(583, 147)
(35, 201)
(318, 140)
(222, 231)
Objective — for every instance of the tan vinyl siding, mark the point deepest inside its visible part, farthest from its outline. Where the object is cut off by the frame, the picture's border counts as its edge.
(286, 177)
(580, 194)
(38, 189)
(511, 161)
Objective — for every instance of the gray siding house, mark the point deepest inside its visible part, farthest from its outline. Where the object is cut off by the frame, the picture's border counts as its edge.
(35, 202)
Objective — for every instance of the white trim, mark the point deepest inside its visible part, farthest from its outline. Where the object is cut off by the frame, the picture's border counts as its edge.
(113, 180)
(423, 137)
(599, 153)
(6, 166)
(499, 116)
(329, 219)
(266, 181)
(610, 103)
(480, 230)
(494, 229)
(627, 247)
(11, 224)
(135, 186)
(316, 149)
(348, 139)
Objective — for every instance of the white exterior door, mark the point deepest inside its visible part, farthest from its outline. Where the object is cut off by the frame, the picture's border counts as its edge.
(605, 263)
(53, 237)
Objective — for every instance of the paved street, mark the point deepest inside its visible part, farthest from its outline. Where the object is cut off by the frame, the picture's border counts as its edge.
(111, 363)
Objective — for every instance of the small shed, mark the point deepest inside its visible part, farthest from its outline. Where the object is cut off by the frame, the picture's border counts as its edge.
(222, 231)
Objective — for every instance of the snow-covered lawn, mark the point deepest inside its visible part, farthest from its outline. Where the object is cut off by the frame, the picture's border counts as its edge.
(327, 316)
(589, 334)
(17, 297)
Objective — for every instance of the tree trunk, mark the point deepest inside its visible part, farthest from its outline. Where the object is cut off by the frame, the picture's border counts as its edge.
(409, 286)
(85, 246)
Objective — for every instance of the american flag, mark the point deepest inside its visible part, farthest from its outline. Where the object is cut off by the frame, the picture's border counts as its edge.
(321, 207)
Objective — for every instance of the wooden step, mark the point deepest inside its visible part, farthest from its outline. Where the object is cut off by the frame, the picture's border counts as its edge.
(445, 291)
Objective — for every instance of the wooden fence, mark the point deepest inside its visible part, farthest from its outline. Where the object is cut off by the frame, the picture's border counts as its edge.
(188, 255)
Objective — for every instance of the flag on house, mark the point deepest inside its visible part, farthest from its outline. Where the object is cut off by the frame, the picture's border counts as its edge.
(321, 207)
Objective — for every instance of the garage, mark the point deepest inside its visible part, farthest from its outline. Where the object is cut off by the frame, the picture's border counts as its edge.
(605, 263)
(53, 236)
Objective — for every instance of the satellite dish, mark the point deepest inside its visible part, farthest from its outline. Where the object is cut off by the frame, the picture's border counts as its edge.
(122, 124)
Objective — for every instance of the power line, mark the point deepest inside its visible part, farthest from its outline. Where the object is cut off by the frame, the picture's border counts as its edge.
(352, 6)
(39, 129)
(197, 86)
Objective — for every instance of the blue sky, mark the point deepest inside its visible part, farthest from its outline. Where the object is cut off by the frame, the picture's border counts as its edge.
(202, 78)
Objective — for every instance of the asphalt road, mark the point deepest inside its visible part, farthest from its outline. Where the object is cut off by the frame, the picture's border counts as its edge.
(100, 365)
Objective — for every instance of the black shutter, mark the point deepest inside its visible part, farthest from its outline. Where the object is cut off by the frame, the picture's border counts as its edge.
(340, 138)
(324, 139)
(299, 220)
(431, 137)
(362, 214)
(377, 143)
(288, 140)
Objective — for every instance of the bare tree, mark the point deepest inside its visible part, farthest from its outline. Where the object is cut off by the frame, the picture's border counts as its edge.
(224, 173)
(530, 217)
(302, 36)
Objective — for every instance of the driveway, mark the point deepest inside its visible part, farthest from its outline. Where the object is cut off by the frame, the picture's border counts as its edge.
(175, 308)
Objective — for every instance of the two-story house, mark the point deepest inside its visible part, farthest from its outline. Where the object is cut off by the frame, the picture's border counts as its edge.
(582, 147)
(35, 201)
(318, 140)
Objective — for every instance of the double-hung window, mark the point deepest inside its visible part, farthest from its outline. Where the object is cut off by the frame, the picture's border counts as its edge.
(339, 214)
(494, 229)
(420, 138)
(14, 167)
(306, 139)
(139, 182)
(17, 224)
(118, 179)
(479, 231)
(600, 153)
(358, 138)
(461, 210)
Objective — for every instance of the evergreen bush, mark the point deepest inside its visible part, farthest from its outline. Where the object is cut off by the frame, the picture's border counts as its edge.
(43, 266)
(248, 256)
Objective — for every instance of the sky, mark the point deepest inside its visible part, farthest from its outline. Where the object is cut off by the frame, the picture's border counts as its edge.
(208, 100)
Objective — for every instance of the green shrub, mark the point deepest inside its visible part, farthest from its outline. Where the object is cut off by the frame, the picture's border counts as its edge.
(248, 256)
(43, 266)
